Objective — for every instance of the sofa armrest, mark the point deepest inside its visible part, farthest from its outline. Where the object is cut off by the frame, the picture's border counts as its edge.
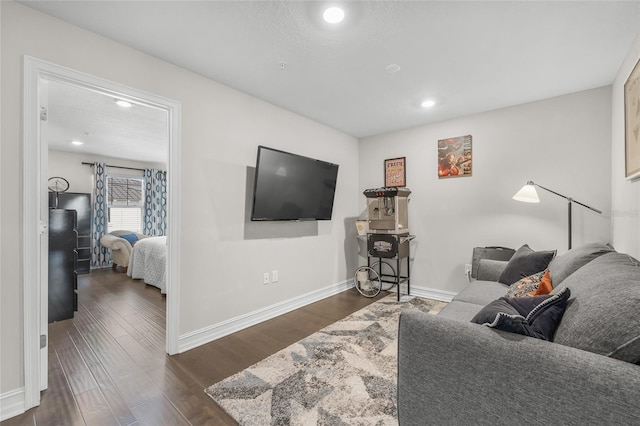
(490, 270)
(454, 372)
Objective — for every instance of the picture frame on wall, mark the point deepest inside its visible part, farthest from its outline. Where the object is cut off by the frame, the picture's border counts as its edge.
(395, 172)
(632, 123)
(455, 157)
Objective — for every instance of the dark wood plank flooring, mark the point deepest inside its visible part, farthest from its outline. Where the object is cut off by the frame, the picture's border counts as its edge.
(108, 366)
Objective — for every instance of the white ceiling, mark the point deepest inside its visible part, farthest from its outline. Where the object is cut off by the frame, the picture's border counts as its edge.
(470, 56)
(136, 133)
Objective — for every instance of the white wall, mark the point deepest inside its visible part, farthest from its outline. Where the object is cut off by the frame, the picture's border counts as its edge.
(80, 176)
(221, 271)
(625, 194)
(562, 143)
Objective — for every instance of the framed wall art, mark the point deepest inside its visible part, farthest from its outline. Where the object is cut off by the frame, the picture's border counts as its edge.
(454, 157)
(395, 172)
(632, 123)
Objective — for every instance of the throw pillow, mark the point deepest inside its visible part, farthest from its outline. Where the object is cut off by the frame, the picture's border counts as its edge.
(545, 285)
(132, 238)
(525, 262)
(536, 316)
(526, 286)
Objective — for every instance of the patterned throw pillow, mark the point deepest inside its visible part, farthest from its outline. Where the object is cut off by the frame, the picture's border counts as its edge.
(526, 286)
(545, 286)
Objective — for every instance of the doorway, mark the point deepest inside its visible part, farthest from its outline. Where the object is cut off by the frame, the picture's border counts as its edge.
(37, 75)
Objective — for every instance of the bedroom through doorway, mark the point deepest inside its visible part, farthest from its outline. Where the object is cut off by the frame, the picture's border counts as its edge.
(112, 157)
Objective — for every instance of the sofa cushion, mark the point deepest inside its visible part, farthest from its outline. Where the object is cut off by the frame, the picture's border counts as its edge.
(536, 316)
(490, 270)
(526, 286)
(566, 264)
(489, 253)
(602, 315)
(459, 311)
(525, 262)
(481, 292)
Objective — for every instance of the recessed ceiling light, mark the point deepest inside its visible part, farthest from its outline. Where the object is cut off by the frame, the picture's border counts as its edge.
(123, 103)
(392, 68)
(76, 142)
(333, 15)
(428, 103)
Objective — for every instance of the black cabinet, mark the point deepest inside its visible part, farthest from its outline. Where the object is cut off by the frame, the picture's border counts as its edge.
(63, 280)
(81, 203)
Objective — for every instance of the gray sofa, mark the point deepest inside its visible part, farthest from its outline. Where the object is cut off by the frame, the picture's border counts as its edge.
(455, 372)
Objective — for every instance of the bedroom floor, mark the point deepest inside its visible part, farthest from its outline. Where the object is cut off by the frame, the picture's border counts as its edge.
(107, 366)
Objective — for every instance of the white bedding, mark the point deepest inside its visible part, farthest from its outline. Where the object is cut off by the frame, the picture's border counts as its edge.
(148, 261)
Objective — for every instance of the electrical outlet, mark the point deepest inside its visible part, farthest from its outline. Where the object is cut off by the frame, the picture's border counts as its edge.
(467, 268)
(274, 276)
(265, 279)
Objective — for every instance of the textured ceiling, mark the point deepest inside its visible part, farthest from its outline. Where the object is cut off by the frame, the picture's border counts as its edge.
(470, 56)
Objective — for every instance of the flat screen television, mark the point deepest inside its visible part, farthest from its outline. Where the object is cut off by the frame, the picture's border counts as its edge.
(292, 187)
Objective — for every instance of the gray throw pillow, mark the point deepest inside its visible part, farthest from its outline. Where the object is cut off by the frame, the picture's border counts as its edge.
(602, 315)
(525, 262)
(566, 264)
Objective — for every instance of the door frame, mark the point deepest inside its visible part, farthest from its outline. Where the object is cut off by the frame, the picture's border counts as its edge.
(34, 185)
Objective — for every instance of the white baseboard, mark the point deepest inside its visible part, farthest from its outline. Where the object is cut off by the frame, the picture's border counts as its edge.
(11, 404)
(209, 334)
(216, 331)
(432, 293)
(427, 293)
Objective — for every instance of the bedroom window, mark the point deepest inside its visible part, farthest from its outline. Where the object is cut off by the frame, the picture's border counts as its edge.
(125, 202)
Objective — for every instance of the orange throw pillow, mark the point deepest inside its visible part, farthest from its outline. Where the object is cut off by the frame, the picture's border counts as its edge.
(545, 286)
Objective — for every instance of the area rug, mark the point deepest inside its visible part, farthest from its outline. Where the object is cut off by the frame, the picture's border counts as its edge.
(345, 374)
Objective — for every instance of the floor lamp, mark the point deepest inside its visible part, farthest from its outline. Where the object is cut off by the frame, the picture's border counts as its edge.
(528, 194)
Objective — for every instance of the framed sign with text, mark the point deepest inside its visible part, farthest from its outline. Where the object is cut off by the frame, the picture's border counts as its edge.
(395, 172)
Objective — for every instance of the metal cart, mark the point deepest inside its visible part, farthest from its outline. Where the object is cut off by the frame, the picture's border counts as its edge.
(382, 249)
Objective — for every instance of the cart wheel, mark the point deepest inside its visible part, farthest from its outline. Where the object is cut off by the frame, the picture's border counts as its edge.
(367, 281)
(387, 270)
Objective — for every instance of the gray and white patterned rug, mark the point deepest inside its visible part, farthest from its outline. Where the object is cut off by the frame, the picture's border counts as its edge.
(344, 374)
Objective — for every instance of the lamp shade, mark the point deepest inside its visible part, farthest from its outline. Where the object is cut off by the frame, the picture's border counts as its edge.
(527, 194)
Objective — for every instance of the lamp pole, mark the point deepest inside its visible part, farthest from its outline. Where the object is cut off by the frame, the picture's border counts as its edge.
(569, 202)
(569, 206)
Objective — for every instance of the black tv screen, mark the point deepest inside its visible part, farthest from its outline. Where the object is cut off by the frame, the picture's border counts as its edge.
(292, 187)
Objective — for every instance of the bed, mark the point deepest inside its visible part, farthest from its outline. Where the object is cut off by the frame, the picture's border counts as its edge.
(148, 261)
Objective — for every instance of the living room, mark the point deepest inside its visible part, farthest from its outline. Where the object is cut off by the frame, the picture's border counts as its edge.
(572, 143)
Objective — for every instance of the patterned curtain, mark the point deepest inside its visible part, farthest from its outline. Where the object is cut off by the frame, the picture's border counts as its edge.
(100, 256)
(155, 203)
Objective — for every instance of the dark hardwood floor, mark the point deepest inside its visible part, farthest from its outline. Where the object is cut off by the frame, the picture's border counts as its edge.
(108, 366)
